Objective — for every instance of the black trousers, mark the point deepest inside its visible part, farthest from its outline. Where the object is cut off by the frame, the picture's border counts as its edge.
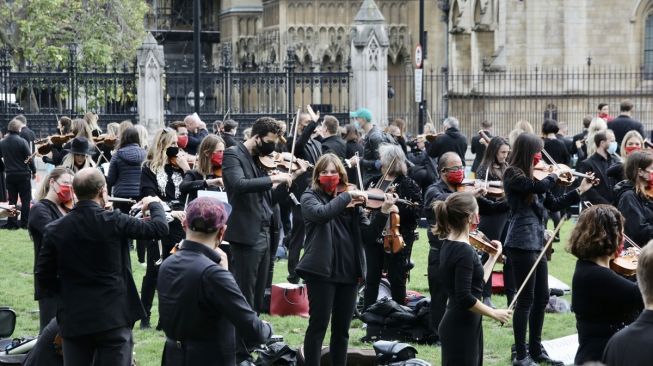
(296, 241)
(529, 310)
(436, 289)
(108, 348)
(19, 185)
(329, 301)
(397, 266)
(47, 311)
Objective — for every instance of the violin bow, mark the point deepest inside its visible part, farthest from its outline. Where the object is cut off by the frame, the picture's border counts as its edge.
(294, 138)
(537, 261)
(428, 114)
(378, 184)
(630, 241)
(487, 175)
(358, 171)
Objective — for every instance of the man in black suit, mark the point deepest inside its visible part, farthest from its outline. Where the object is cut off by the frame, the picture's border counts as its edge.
(479, 144)
(624, 122)
(85, 262)
(229, 129)
(332, 142)
(599, 163)
(14, 150)
(633, 345)
(451, 140)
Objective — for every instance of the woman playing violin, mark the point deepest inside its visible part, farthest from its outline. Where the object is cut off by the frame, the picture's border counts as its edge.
(332, 264)
(492, 223)
(528, 200)
(634, 197)
(55, 199)
(603, 301)
(558, 151)
(207, 172)
(161, 176)
(463, 276)
(632, 142)
(393, 167)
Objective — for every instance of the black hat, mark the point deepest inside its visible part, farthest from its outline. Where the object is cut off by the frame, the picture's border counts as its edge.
(79, 146)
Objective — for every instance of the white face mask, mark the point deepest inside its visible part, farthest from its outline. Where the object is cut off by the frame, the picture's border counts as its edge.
(612, 148)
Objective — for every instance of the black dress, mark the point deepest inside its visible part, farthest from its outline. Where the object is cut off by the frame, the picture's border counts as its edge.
(461, 331)
(604, 303)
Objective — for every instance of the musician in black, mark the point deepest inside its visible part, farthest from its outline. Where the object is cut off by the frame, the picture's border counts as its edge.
(599, 163)
(207, 172)
(55, 193)
(15, 152)
(393, 166)
(595, 241)
(84, 261)
(632, 198)
(528, 199)
(463, 277)
(199, 302)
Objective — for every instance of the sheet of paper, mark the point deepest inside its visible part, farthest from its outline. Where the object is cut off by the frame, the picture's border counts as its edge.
(563, 349)
(222, 196)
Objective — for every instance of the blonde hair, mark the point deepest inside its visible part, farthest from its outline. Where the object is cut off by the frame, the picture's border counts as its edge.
(156, 154)
(92, 118)
(69, 162)
(55, 174)
(247, 133)
(113, 129)
(629, 136)
(597, 125)
(143, 136)
(322, 164)
(204, 153)
(521, 126)
(81, 129)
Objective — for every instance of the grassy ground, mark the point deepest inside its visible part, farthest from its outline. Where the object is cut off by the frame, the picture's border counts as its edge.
(16, 291)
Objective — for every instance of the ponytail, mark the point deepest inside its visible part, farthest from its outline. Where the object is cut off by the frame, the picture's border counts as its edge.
(452, 215)
(441, 228)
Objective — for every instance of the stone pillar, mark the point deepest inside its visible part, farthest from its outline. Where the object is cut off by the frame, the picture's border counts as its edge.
(369, 61)
(150, 63)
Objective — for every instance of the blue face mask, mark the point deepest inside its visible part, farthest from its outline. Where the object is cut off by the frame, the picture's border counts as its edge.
(357, 124)
(612, 148)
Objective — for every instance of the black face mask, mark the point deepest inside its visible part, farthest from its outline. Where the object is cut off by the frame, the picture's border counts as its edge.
(172, 151)
(265, 148)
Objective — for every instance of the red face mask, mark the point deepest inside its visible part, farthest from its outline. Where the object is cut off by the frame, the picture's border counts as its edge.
(65, 193)
(630, 149)
(474, 225)
(182, 141)
(537, 158)
(329, 182)
(603, 115)
(456, 177)
(216, 158)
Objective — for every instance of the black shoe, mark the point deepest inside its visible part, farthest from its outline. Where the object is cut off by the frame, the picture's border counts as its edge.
(544, 359)
(145, 323)
(526, 361)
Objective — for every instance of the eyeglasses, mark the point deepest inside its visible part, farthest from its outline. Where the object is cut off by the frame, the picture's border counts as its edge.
(453, 169)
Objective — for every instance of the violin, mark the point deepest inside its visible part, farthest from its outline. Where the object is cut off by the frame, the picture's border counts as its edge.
(393, 242)
(282, 161)
(626, 263)
(494, 187)
(542, 169)
(11, 209)
(375, 196)
(481, 242)
(59, 140)
(217, 171)
(104, 139)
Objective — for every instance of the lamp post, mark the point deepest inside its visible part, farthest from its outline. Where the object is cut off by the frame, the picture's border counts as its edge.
(197, 47)
(73, 49)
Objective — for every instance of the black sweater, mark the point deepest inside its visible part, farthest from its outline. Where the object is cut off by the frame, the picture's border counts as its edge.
(15, 150)
(604, 303)
(462, 274)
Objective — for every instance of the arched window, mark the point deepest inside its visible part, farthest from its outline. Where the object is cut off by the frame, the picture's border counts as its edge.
(648, 47)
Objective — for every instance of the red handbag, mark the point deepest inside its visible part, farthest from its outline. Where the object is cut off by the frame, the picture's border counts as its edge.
(289, 299)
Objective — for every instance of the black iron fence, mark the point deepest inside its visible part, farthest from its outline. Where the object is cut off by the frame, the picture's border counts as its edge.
(43, 93)
(248, 94)
(533, 95)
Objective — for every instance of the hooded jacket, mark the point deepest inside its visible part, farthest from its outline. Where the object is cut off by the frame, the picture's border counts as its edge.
(637, 211)
(125, 171)
(451, 140)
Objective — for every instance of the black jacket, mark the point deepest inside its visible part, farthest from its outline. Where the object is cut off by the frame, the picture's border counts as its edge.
(193, 182)
(15, 150)
(582, 153)
(526, 222)
(632, 345)
(229, 140)
(318, 210)
(335, 145)
(124, 177)
(637, 211)
(41, 213)
(557, 150)
(407, 189)
(622, 125)
(374, 138)
(200, 305)
(85, 261)
(194, 140)
(451, 140)
(172, 176)
(250, 193)
(603, 192)
(425, 173)
(478, 150)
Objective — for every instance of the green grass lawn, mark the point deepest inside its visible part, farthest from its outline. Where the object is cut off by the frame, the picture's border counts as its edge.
(17, 289)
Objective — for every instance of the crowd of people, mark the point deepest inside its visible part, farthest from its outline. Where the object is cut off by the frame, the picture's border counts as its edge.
(206, 212)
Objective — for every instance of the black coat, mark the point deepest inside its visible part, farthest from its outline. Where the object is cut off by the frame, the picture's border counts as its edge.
(632, 345)
(247, 187)
(622, 125)
(335, 145)
(41, 213)
(425, 173)
(603, 192)
(582, 153)
(319, 210)
(15, 150)
(85, 262)
(478, 150)
(229, 140)
(407, 189)
(193, 182)
(526, 222)
(200, 305)
(451, 140)
(194, 140)
(557, 150)
(373, 139)
(125, 171)
(637, 211)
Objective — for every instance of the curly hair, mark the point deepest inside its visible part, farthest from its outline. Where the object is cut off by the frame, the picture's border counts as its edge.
(265, 125)
(598, 232)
